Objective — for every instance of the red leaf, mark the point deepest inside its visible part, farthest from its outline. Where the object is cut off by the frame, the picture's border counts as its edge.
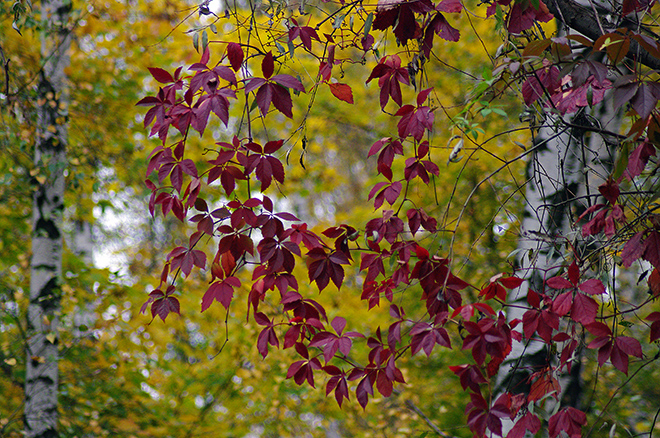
(268, 65)
(598, 329)
(652, 249)
(644, 100)
(450, 6)
(536, 85)
(632, 250)
(188, 167)
(628, 345)
(220, 291)
(654, 282)
(342, 92)
(562, 303)
(443, 29)
(289, 81)
(235, 55)
(267, 337)
(584, 309)
(523, 16)
(364, 389)
(630, 6)
(164, 306)
(161, 75)
(529, 422)
(414, 121)
(655, 325)
(338, 324)
(390, 74)
(493, 290)
(469, 375)
(511, 282)
(569, 420)
(619, 359)
(559, 283)
(639, 158)
(544, 385)
(282, 100)
(205, 56)
(592, 286)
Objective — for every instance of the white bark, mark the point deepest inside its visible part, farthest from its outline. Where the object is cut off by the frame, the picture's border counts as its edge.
(82, 245)
(41, 378)
(564, 170)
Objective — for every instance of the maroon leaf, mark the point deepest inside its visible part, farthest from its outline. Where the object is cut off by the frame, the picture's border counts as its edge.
(306, 33)
(628, 345)
(163, 306)
(541, 81)
(655, 325)
(401, 16)
(469, 375)
(639, 158)
(562, 303)
(450, 6)
(288, 81)
(268, 65)
(652, 249)
(390, 74)
(528, 423)
(644, 100)
(522, 16)
(584, 309)
(439, 26)
(592, 286)
(323, 267)
(568, 420)
(161, 75)
(235, 55)
(633, 250)
(220, 291)
(414, 121)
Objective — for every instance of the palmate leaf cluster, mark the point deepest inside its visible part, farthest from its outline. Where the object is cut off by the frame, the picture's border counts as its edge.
(118, 376)
(280, 251)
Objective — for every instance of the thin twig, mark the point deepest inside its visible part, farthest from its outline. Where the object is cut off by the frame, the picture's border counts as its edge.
(411, 405)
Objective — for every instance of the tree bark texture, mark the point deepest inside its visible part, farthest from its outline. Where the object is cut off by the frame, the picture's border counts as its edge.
(41, 380)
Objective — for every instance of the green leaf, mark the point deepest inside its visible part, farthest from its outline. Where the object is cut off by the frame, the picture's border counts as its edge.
(622, 161)
(367, 23)
(338, 21)
(196, 41)
(205, 40)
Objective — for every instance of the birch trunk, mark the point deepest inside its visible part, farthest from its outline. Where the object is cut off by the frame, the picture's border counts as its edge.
(570, 161)
(41, 380)
(82, 245)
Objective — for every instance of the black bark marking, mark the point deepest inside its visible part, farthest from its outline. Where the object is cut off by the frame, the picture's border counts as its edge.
(518, 380)
(49, 296)
(49, 226)
(559, 204)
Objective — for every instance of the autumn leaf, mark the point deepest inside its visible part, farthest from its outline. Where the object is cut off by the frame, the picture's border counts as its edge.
(220, 291)
(342, 92)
